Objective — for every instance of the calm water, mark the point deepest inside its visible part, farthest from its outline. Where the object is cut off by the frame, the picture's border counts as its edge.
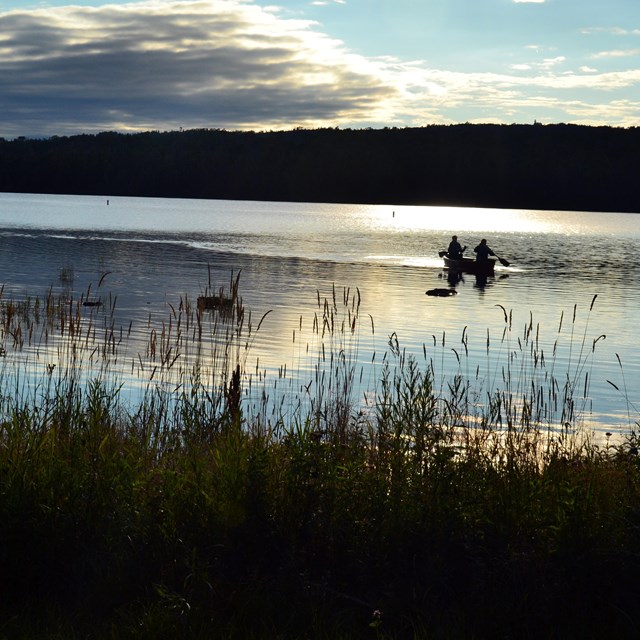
(155, 251)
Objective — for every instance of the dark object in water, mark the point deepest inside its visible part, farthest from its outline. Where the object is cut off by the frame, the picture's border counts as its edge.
(92, 303)
(441, 292)
(214, 303)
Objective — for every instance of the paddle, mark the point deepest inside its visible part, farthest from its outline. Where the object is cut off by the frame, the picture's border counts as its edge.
(442, 254)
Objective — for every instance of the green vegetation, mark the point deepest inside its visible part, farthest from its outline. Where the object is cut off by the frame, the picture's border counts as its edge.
(436, 510)
(562, 167)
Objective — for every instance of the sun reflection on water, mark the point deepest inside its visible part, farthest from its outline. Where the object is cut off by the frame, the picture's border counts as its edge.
(433, 218)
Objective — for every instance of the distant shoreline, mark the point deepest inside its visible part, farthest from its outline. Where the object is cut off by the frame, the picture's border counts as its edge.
(545, 167)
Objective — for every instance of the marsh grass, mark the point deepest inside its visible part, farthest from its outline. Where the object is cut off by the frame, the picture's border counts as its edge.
(472, 506)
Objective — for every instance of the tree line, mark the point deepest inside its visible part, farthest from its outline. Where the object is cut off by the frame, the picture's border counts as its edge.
(565, 167)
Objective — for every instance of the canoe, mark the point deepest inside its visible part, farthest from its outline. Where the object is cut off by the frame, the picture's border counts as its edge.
(469, 265)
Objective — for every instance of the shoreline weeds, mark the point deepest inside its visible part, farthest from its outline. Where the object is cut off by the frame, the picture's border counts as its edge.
(185, 516)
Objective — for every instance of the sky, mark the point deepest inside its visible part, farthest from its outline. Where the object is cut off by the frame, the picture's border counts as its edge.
(160, 65)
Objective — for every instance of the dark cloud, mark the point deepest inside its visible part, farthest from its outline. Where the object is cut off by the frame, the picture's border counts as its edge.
(164, 65)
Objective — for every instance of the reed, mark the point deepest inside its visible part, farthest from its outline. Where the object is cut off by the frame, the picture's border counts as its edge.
(152, 486)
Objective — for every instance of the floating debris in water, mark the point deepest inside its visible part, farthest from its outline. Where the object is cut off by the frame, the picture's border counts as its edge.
(443, 293)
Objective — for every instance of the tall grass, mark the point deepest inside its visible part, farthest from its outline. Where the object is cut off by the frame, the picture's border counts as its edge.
(472, 506)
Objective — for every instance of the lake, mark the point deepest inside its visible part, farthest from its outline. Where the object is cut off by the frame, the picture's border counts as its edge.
(151, 253)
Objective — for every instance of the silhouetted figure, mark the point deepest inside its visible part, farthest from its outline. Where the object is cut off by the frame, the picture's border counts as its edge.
(455, 249)
(483, 251)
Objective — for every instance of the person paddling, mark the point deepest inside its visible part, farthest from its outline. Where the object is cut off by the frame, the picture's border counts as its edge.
(455, 250)
(483, 251)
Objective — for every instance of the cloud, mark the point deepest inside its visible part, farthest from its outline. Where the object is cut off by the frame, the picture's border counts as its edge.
(616, 53)
(613, 31)
(162, 65)
(546, 64)
(511, 98)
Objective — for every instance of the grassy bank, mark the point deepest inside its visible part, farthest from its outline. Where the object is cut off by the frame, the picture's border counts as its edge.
(426, 514)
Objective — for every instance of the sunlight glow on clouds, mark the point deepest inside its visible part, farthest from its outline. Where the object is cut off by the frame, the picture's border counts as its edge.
(222, 63)
(160, 65)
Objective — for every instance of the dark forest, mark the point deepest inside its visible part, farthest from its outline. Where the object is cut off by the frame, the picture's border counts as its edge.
(564, 167)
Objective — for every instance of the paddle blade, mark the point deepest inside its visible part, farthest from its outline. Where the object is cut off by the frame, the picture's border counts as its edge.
(503, 262)
(442, 254)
